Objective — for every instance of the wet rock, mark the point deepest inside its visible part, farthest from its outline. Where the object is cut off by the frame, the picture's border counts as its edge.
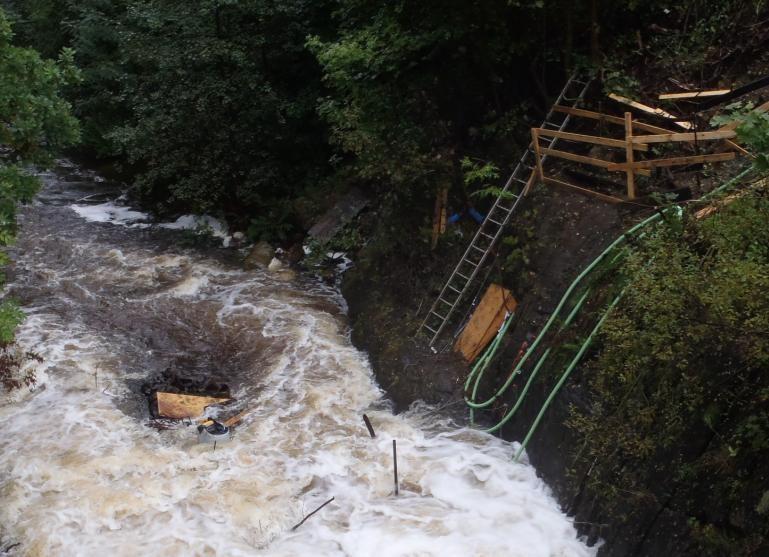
(275, 264)
(260, 256)
(237, 239)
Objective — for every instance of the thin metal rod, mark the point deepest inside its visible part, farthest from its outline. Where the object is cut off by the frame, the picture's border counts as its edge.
(395, 467)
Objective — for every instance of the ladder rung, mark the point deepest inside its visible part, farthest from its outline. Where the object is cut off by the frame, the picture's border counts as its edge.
(454, 289)
(426, 326)
(506, 209)
(495, 222)
(489, 236)
(445, 302)
(463, 276)
(465, 260)
(477, 248)
(441, 317)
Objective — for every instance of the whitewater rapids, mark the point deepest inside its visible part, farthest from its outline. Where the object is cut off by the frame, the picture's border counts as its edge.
(113, 300)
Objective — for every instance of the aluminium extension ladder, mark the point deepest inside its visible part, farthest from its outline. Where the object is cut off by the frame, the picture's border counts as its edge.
(465, 273)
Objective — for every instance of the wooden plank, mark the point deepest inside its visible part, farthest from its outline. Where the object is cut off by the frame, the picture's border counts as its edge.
(530, 182)
(439, 217)
(710, 209)
(177, 407)
(592, 139)
(631, 191)
(610, 119)
(688, 137)
(485, 322)
(736, 93)
(537, 152)
(732, 145)
(694, 94)
(650, 110)
(676, 161)
(585, 191)
(576, 158)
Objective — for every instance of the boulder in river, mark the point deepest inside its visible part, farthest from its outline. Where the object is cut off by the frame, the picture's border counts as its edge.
(275, 264)
(260, 256)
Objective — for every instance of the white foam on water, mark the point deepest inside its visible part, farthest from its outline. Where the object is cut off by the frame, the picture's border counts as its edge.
(81, 474)
(111, 213)
(80, 477)
(198, 222)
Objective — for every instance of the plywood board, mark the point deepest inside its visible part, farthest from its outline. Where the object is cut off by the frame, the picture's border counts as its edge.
(485, 322)
(177, 407)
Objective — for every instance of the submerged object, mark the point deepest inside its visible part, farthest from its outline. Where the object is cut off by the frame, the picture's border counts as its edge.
(213, 433)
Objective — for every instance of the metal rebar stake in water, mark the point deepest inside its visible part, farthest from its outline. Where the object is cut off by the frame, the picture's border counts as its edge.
(395, 467)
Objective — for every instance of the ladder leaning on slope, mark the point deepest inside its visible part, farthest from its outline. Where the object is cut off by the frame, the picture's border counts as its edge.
(459, 283)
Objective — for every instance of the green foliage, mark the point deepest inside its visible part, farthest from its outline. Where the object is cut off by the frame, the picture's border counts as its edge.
(483, 176)
(617, 80)
(219, 117)
(272, 225)
(35, 122)
(412, 84)
(753, 131)
(681, 372)
(10, 318)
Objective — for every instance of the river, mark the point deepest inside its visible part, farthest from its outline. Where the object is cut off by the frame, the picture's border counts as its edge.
(115, 303)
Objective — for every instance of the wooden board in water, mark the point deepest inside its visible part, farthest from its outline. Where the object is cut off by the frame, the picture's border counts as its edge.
(177, 407)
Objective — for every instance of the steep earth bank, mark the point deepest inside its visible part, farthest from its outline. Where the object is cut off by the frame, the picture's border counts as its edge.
(558, 233)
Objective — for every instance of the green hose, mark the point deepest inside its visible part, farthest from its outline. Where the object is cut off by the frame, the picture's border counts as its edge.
(591, 336)
(481, 366)
(565, 375)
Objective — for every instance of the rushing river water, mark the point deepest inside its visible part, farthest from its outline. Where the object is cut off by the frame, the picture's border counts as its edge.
(114, 303)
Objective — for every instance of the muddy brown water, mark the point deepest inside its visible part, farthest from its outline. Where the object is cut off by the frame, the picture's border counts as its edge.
(116, 307)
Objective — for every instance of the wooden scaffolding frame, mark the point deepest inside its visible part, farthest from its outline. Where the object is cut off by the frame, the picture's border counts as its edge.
(632, 143)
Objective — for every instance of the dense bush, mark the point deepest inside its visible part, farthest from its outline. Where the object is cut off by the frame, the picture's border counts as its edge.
(680, 394)
(35, 122)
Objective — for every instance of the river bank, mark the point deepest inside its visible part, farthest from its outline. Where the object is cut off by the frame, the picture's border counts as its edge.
(385, 304)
